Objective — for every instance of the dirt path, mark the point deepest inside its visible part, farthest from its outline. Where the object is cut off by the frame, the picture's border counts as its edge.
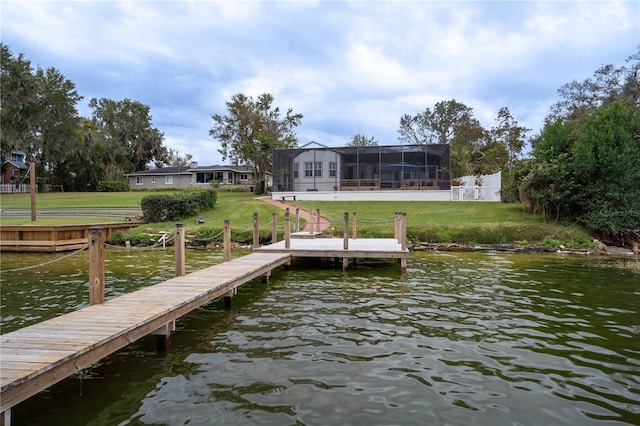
(303, 214)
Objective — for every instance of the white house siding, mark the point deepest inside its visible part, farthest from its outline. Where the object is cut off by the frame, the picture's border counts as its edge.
(158, 181)
(323, 182)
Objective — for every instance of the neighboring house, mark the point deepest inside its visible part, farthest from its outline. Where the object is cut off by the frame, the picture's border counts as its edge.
(166, 177)
(315, 167)
(14, 169)
(194, 175)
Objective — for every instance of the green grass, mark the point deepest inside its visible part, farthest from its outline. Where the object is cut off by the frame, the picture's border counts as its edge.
(54, 200)
(433, 222)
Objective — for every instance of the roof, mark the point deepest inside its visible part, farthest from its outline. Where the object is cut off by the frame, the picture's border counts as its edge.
(240, 169)
(162, 171)
(189, 170)
(18, 164)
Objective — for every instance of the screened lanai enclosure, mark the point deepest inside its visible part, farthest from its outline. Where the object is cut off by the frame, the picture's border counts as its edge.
(315, 167)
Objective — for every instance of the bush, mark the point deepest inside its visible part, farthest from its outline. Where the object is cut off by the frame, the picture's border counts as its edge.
(176, 206)
(113, 186)
(135, 236)
(233, 188)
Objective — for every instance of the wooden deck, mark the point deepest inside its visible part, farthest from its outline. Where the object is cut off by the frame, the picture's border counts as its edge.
(36, 238)
(36, 357)
(334, 247)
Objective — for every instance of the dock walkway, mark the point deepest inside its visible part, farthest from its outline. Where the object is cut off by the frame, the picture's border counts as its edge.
(38, 356)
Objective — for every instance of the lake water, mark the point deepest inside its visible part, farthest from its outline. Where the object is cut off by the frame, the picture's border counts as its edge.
(460, 339)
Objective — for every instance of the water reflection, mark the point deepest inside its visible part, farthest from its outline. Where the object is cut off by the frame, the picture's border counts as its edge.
(460, 339)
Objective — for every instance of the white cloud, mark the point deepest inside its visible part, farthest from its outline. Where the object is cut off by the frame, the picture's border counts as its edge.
(348, 67)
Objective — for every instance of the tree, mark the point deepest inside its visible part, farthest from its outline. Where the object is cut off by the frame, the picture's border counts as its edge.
(359, 139)
(607, 85)
(127, 128)
(175, 159)
(251, 130)
(57, 126)
(450, 122)
(606, 164)
(19, 105)
(510, 134)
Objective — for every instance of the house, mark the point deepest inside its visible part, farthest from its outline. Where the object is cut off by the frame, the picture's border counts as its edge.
(192, 176)
(363, 173)
(14, 170)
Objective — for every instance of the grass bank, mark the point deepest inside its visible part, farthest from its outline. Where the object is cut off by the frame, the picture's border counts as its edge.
(430, 222)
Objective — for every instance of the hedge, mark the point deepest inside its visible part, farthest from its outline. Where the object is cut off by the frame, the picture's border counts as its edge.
(113, 186)
(176, 206)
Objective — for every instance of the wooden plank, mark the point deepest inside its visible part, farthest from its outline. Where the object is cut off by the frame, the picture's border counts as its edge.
(38, 356)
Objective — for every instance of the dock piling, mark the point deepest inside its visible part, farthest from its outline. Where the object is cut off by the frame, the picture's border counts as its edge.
(96, 266)
(256, 234)
(226, 242)
(274, 228)
(179, 249)
(355, 225)
(287, 229)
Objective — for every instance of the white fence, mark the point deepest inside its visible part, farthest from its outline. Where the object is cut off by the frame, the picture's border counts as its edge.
(478, 188)
(475, 193)
(7, 187)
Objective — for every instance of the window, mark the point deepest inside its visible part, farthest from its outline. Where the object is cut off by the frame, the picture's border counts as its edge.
(168, 180)
(204, 177)
(308, 169)
(333, 169)
(153, 179)
(244, 176)
(295, 170)
(318, 168)
(15, 173)
(139, 180)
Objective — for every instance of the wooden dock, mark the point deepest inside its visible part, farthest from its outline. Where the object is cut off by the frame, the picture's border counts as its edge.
(36, 357)
(374, 248)
(36, 238)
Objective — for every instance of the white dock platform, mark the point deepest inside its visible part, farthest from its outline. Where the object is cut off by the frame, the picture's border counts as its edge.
(376, 248)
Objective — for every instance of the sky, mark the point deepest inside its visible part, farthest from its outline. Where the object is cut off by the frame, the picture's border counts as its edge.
(348, 67)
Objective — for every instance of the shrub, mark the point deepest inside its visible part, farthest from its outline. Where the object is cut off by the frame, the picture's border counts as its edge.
(233, 188)
(113, 186)
(176, 206)
(135, 236)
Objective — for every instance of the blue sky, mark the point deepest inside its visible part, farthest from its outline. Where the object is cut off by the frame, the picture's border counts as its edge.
(348, 66)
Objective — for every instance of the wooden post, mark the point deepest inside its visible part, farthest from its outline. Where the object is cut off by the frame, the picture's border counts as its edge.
(345, 233)
(296, 227)
(226, 243)
(403, 232)
(403, 242)
(256, 234)
(32, 189)
(311, 221)
(345, 241)
(274, 228)
(287, 230)
(396, 232)
(318, 219)
(5, 418)
(179, 247)
(355, 225)
(96, 266)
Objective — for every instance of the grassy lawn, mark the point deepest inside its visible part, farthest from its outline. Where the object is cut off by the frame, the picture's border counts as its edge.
(55, 200)
(437, 222)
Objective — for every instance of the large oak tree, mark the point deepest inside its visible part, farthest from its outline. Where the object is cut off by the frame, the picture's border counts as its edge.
(251, 130)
